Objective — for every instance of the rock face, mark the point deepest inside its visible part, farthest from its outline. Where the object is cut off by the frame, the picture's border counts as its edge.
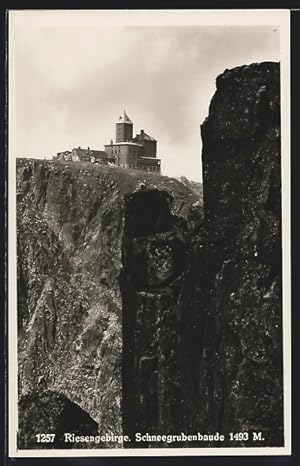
(242, 202)
(203, 339)
(48, 412)
(155, 254)
(70, 222)
(149, 314)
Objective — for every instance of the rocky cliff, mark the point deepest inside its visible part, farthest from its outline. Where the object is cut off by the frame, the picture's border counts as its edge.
(150, 311)
(242, 201)
(70, 230)
(204, 340)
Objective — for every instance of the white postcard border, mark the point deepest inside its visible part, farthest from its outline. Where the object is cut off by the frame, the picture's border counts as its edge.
(80, 18)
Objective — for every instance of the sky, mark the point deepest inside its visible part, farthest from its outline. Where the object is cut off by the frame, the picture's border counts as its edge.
(72, 82)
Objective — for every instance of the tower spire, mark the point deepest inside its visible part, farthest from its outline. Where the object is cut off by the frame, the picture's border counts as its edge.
(124, 118)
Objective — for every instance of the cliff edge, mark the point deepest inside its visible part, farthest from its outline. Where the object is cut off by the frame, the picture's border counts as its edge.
(70, 221)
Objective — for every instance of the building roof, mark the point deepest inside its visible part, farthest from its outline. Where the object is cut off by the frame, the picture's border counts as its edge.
(124, 119)
(143, 137)
(64, 152)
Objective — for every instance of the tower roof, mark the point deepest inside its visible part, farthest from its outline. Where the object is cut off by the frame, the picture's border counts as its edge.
(143, 137)
(124, 119)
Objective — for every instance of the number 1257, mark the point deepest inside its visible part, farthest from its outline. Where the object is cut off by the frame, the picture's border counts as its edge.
(45, 438)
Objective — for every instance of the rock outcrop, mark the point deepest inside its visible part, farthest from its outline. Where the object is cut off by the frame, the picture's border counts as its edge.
(156, 249)
(242, 203)
(203, 345)
(149, 311)
(45, 418)
(70, 227)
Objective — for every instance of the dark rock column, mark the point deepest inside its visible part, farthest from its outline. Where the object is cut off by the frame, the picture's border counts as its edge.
(202, 312)
(154, 260)
(242, 207)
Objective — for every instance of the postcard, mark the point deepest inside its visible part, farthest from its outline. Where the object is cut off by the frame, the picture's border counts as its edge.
(149, 233)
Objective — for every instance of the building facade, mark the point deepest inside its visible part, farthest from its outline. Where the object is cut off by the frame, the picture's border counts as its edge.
(90, 155)
(78, 154)
(127, 152)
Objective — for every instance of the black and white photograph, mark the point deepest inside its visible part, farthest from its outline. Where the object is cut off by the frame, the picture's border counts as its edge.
(149, 251)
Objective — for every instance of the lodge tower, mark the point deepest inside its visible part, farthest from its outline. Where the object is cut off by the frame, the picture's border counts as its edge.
(129, 152)
(124, 127)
